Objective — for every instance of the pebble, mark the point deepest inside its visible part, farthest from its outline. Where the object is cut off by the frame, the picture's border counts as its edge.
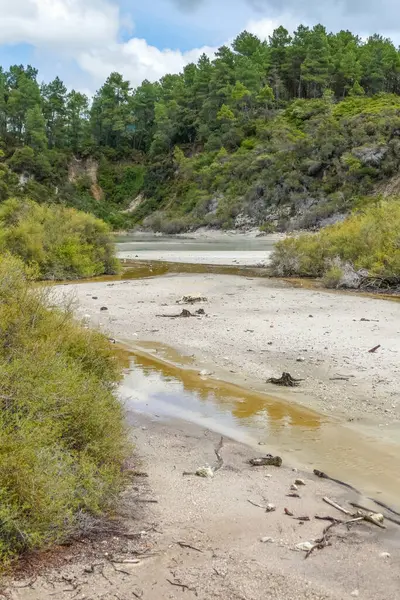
(355, 593)
(300, 482)
(305, 546)
(268, 476)
(266, 540)
(384, 555)
(271, 508)
(294, 487)
(300, 359)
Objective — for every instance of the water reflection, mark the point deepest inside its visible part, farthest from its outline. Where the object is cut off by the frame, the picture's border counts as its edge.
(160, 388)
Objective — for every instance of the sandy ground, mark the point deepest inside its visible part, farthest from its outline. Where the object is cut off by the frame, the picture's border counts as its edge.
(227, 559)
(259, 328)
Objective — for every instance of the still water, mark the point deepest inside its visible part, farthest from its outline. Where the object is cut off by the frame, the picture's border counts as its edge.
(222, 249)
(166, 385)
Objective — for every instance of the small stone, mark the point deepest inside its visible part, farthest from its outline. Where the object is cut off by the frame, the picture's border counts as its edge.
(205, 373)
(268, 476)
(385, 555)
(266, 540)
(271, 508)
(300, 359)
(355, 593)
(300, 482)
(294, 487)
(205, 472)
(305, 546)
(103, 308)
(94, 298)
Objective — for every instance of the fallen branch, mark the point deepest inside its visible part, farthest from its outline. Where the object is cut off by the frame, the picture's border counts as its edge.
(323, 542)
(337, 506)
(387, 517)
(323, 475)
(184, 314)
(371, 517)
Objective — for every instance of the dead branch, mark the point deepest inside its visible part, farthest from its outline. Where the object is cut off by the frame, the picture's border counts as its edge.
(324, 541)
(370, 516)
(337, 506)
(184, 314)
(387, 517)
(331, 519)
(350, 487)
(185, 545)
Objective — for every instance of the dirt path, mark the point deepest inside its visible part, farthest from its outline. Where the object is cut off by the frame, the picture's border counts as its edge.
(227, 559)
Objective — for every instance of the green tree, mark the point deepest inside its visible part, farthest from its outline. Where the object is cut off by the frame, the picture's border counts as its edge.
(54, 97)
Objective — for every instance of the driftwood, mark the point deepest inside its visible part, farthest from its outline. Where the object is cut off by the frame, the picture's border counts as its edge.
(184, 314)
(285, 380)
(323, 475)
(266, 461)
(374, 349)
(324, 541)
(370, 516)
(387, 517)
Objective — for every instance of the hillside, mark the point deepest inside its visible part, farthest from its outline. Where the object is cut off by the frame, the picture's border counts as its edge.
(290, 132)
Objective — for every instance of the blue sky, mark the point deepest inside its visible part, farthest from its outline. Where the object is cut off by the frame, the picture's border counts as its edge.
(83, 41)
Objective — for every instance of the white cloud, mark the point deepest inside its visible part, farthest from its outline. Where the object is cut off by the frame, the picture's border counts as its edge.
(136, 60)
(65, 25)
(87, 31)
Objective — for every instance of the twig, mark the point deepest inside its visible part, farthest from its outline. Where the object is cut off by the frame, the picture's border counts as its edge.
(149, 501)
(137, 595)
(258, 505)
(220, 460)
(185, 545)
(183, 586)
(338, 379)
(323, 542)
(331, 519)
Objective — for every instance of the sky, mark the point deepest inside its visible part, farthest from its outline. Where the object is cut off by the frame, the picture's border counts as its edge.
(83, 41)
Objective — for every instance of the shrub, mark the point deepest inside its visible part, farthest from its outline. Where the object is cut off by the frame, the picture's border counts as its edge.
(62, 242)
(369, 239)
(62, 433)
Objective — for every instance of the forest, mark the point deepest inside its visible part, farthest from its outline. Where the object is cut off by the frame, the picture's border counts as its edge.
(283, 133)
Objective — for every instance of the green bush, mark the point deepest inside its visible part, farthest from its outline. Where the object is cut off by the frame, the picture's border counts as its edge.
(62, 242)
(369, 239)
(62, 433)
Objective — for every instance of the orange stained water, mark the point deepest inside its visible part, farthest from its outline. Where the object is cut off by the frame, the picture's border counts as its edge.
(159, 381)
